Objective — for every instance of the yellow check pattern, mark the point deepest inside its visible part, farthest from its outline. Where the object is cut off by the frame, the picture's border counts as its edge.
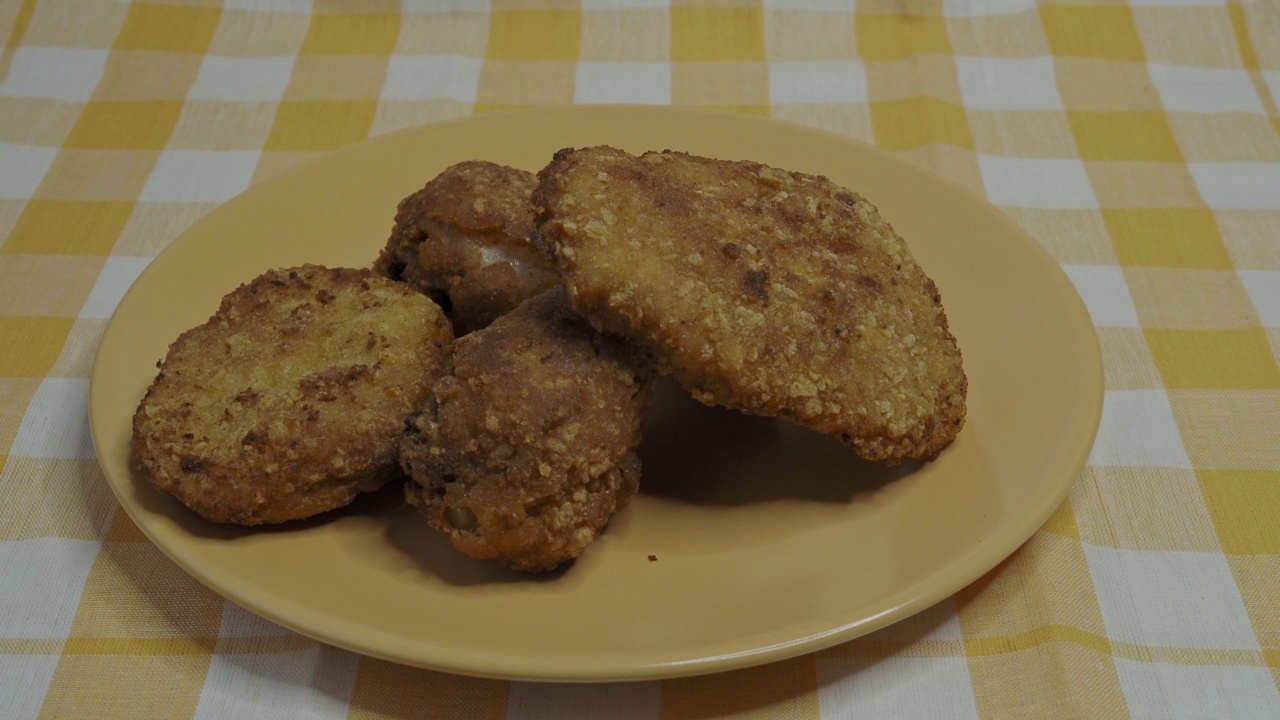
(1139, 143)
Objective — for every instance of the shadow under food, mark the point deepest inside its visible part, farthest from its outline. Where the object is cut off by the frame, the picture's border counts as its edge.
(380, 502)
(410, 534)
(714, 456)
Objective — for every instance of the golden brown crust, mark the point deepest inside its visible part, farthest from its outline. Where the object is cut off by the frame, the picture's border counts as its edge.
(773, 292)
(528, 448)
(290, 400)
(464, 240)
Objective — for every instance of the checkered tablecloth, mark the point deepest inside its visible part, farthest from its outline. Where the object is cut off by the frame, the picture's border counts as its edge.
(1139, 143)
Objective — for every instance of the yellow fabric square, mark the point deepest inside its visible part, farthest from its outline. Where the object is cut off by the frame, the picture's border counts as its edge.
(1226, 359)
(354, 34)
(905, 124)
(525, 83)
(302, 126)
(46, 284)
(1124, 136)
(1097, 31)
(1228, 428)
(1243, 505)
(893, 37)
(810, 35)
(1063, 522)
(54, 497)
(32, 344)
(1143, 508)
(717, 34)
(1190, 299)
(1126, 360)
(97, 175)
(147, 75)
(174, 28)
(331, 77)
(720, 84)
(125, 125)
(110, 685)
(388, 690)
(68, 227)
(534, 34)
(1054, 672)
(638, 35)
(788, 688)
(1167, 237)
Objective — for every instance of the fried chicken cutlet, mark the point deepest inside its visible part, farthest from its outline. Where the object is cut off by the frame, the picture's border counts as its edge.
(464, 240)
(527, 449)
(768, 291)
(291, 399)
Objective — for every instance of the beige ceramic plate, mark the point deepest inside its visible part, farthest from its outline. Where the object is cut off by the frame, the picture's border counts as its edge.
(752, 540)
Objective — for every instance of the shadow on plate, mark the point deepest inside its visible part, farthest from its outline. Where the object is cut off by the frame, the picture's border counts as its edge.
(408, 533)
(713, 456)
(378, 503)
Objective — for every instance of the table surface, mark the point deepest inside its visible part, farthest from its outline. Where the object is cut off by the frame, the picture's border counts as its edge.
(1138, 143)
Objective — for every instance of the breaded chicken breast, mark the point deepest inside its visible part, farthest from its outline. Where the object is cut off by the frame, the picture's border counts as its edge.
(291, 399)
(773, 292)
(464, 240)
(527, 449)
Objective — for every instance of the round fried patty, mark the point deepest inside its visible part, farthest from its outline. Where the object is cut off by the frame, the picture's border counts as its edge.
(769, 291)
(464, 240)
(291, 399)
(524, 453)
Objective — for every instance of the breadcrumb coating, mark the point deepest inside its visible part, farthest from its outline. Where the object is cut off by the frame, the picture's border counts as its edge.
(290, 400)
(765, 290)
(464, 240)
(527, 449)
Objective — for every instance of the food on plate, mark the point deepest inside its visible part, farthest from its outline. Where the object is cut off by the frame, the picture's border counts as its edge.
(524, 452)
(464, 240)
(291, 399)
(769, 291)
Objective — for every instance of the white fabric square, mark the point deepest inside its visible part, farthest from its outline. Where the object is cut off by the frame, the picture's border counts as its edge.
(54, 73)
(1263, 287)
(238, 622)
(1205, 90)
(432, 77)
(981, 8)
(22, 167)
(1037, 182)
(1138, 430)
(293, 6)
(990, 83)
(1272, 80)
(1105, 294)
(43, 579)
(835, 81)
(56, 424)
(845, 6)
(647, 83)
(313, 683)
(24, 680)
(1238, 186)
(1156, 691)
(114, 281)
(1169, 599)
(584, 701)
(938, 688)
(242, 78)
(199, 176)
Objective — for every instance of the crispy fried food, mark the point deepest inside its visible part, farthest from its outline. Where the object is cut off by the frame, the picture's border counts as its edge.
(773, 292)
(524, 453)
(464, 240)
(291, 399)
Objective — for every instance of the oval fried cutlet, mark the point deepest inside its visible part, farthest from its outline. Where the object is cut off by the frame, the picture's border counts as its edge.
(464, 240)
(291, 399)
(524, 453)
(773, 292)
